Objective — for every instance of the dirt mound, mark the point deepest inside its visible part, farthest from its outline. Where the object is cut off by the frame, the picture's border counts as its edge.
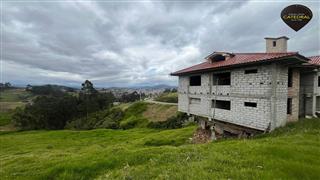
(201, 136)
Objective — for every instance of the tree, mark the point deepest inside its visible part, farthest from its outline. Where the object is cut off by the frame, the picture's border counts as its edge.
(7, 85)
(87, 88)
(91, 100)
(28, 87)
(47, 112)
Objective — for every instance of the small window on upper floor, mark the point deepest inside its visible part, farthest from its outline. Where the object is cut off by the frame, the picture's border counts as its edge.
(274, 43)
(250, 104)
(251, 71)
(222, 79)
(195, 80)
(318, 81)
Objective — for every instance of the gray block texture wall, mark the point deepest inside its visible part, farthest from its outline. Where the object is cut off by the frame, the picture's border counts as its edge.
(309, 91)
(267, 88)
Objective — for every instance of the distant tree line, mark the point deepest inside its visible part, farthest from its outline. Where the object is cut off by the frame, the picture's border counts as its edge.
(53, 108)
(131, 97)
(49, 89)
(6, 85)
(170, 90)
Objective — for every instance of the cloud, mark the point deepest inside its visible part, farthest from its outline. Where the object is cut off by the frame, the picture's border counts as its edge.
(137, 43)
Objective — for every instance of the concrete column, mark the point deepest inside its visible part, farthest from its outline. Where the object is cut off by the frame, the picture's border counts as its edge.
(203, 124)
(314, 95)
(209, 96)
(188, 95)
(273, 97)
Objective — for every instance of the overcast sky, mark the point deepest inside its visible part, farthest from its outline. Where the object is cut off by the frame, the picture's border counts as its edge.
(137, 43)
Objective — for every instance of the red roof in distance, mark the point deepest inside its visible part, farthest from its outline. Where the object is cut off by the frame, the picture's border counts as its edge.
(314, 60)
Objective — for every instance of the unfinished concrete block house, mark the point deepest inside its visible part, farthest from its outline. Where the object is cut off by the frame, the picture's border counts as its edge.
(251, 92)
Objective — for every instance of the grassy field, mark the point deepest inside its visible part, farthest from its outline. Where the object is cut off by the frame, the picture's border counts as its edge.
(12, 98)
(9, 100)
(288, 153)
(159, 112)
(14, 95)
(5, 118)
(168, 97)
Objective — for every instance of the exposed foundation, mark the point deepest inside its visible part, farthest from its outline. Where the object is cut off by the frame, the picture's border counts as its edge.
(210, 130)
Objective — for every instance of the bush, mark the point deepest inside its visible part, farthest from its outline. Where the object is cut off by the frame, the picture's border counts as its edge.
(173, 122)
(109, 119)
(46, 112)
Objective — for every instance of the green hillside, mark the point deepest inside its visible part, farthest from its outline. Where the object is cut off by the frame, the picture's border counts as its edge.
(291, 152)
(168, 97)
(9, 100)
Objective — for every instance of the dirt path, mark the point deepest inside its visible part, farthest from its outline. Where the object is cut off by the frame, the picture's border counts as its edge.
(158, 102)
(8, 127)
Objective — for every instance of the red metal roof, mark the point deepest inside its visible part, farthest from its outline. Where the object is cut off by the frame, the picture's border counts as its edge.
(314, 60)
(238, 59)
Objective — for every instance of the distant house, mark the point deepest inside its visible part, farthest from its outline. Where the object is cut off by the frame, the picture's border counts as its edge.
(251, 92)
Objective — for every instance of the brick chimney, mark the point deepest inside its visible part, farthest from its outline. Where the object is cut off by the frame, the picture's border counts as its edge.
(275, 45)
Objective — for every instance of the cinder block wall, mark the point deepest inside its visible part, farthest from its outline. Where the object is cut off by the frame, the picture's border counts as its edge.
(293, 92)
(281, 85)
(307, 87)
(258, 88)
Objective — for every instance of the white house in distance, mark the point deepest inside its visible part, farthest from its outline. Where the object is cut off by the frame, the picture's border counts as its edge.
(246, 93)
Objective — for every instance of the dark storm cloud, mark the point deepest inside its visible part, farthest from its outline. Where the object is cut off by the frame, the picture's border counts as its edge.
(126, 44)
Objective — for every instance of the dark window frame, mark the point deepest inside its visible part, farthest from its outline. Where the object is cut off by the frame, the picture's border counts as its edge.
(289, 106)
(222, 79)
(251, 71)
(221, 104)
(195, 80)
(274, 43)
(250, 104)
(318, 81)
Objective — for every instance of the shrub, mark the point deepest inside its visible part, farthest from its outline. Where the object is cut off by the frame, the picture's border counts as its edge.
(46, 112)
(108, 119)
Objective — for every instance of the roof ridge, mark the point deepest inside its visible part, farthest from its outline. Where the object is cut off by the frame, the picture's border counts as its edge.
(313, 56)
(265, 52)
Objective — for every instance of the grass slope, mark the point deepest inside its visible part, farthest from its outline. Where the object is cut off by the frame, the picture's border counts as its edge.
(288, 153)
(5, 118)
(14, 95)
(168, 97)
(159, 112)
(12, 98)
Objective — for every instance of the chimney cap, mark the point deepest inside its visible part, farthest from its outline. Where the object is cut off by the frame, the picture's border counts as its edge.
(282, 37)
